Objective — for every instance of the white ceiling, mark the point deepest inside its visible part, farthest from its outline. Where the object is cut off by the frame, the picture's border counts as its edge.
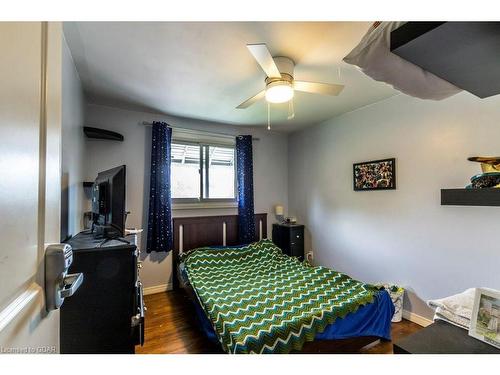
(203, 70)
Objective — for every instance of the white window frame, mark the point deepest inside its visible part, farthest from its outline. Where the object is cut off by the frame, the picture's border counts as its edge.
(189, 137)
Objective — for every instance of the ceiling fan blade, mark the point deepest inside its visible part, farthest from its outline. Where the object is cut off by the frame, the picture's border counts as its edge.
(247, 103)
(318, 88)
(265, 59)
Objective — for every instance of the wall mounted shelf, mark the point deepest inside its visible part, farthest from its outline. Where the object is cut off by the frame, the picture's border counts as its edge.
(96, 133)
(470, 197)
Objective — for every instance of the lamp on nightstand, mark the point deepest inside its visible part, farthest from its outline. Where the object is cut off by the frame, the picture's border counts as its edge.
(278, 211)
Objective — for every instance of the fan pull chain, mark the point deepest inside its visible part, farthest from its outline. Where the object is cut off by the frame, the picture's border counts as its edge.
(268, 116)
(291, 110)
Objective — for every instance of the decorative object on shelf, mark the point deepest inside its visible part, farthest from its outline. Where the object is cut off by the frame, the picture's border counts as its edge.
(488, 164)
(96, 133)
(485, 180)
(483, 189)
(375, 175)
(278, 211)
(291, 220)
(490, 178)
(485, 322)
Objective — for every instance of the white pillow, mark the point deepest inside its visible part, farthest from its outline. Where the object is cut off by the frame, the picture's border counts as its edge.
(374, 57)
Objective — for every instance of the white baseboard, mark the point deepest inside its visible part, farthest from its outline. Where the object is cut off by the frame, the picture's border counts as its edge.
(157, 289)
(420, 320)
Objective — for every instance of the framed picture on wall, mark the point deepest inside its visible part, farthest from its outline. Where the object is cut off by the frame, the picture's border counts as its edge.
(375, 175)
(485, 319)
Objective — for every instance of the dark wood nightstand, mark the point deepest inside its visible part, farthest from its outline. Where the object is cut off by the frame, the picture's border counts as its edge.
(290, 239)
(442, 338)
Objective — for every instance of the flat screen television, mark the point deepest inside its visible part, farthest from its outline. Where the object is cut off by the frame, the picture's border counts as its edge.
(108, 203)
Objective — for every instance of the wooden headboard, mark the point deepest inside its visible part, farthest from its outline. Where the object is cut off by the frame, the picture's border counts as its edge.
(193, 232)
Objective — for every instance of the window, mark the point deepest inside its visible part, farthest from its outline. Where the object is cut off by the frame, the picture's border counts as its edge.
(202, 172)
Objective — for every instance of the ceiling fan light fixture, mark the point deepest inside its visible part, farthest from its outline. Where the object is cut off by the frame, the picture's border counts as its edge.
(279, 92)
(280, 81)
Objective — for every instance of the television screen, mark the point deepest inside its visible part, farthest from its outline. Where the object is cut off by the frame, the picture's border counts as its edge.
(108, 202)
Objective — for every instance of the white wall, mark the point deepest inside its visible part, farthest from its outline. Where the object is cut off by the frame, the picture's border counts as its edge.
(73, 147)
(270, 170)
(404, 235)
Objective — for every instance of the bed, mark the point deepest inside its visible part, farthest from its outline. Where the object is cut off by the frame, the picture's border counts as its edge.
(255, 299)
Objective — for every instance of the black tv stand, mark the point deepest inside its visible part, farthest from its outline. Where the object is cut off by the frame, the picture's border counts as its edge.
(106, 314)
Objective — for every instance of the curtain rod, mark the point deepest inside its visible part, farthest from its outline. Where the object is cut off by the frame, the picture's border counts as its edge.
(146, 123)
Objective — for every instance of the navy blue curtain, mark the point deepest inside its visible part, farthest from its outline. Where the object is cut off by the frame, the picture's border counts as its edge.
(160, 235)
(244, 171)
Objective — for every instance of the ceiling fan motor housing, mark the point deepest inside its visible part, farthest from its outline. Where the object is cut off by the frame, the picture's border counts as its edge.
(285, 65)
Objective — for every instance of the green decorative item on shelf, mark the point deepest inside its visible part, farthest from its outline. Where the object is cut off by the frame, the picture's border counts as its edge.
(485, 180)
(490, 178)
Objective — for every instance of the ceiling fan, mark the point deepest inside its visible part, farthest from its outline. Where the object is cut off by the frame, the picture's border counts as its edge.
(280, 82)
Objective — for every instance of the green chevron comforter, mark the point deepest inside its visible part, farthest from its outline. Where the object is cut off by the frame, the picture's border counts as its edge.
(262, 301)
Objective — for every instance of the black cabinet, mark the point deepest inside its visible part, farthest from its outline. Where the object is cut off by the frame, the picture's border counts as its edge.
(106, 314)
(290, 239)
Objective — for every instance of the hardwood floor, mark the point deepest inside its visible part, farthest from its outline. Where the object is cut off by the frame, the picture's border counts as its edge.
(171, 328)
